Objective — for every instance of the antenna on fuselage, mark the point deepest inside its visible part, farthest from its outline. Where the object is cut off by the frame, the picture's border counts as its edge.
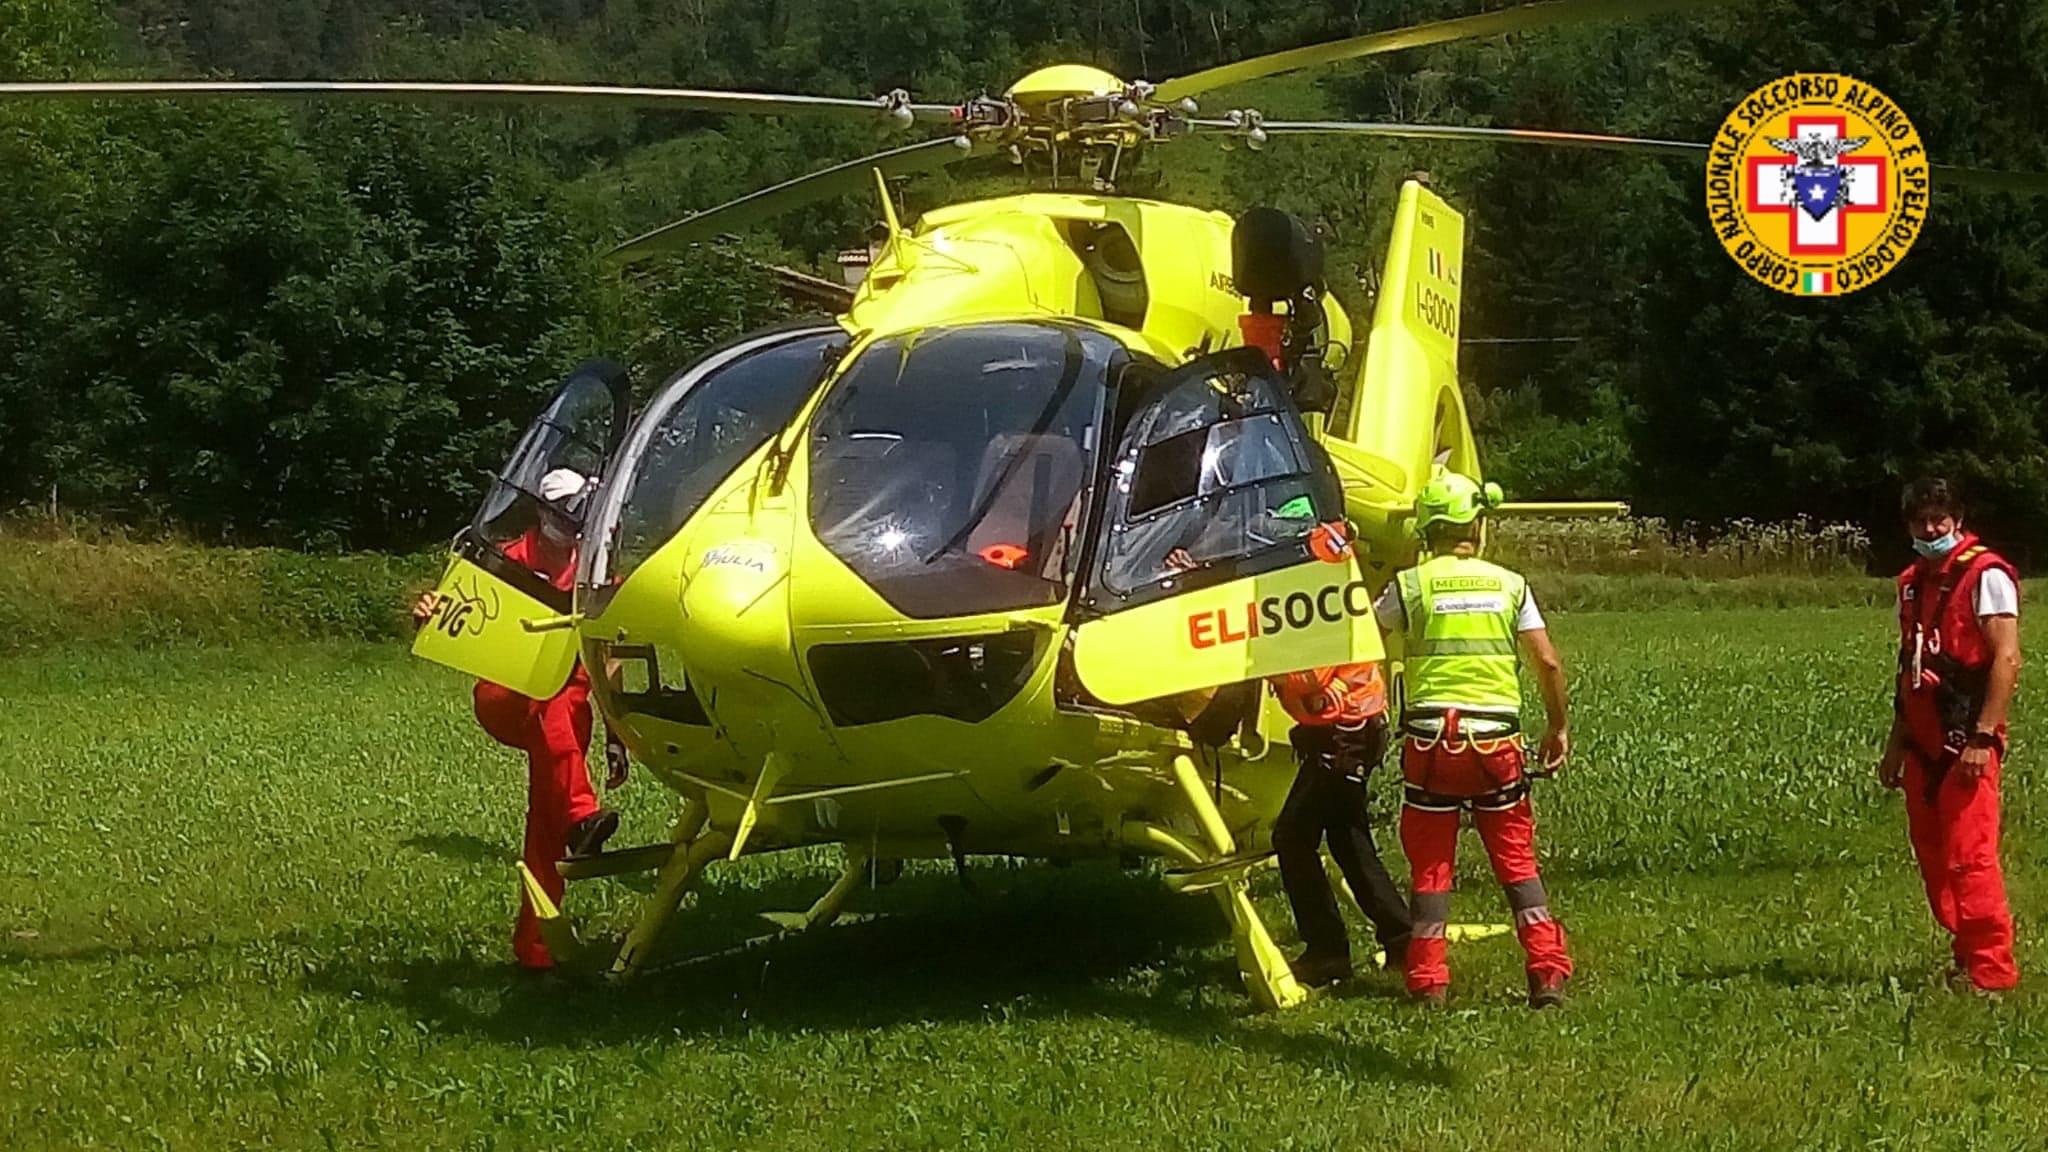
(888, 206)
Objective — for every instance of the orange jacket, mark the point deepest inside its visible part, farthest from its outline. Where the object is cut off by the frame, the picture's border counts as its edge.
(1346, 694)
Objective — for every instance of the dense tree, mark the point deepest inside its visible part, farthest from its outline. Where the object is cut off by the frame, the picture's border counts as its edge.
(321, 324)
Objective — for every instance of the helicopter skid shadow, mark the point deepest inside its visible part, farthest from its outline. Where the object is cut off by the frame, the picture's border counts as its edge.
(1040, 943)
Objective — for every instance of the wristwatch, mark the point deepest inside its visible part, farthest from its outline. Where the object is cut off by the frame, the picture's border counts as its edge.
(1991, 740)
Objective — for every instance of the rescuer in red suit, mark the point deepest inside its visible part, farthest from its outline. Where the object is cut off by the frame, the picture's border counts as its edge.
(563, 817)
(1959, 660)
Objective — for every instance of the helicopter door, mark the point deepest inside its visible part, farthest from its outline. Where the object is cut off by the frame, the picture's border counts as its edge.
(514, 566)
(1205, 568)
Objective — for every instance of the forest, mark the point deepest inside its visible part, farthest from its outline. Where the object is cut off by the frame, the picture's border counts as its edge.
(320, 325)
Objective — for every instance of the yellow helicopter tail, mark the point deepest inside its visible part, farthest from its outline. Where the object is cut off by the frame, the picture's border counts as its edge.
(1404, 410)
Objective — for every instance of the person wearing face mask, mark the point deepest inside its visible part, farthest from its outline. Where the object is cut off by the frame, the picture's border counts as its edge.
(563, 817)
(1959, 660)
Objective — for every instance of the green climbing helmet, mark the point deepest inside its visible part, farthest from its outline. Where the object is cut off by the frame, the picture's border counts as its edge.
(1453, 498)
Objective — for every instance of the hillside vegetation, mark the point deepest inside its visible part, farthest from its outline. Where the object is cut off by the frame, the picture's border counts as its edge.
(76, 583)
(320, 325)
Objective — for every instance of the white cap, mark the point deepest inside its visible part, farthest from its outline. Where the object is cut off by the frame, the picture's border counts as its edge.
(563, 485)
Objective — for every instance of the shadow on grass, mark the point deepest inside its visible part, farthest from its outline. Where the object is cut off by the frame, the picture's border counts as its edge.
(1798, 974)
(1035, 943)
(461, 846)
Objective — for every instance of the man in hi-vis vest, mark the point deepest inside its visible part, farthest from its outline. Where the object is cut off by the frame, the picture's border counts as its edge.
(1465, 625)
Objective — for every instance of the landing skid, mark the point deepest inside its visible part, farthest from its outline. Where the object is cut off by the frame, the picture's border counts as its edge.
(1213, 865)
(678, 865)
(1225, 872)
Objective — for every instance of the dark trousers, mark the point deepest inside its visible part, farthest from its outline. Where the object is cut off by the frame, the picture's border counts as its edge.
(1328, 802)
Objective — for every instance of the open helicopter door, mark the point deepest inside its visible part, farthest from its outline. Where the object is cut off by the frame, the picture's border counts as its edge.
(1220, 555)
(498, 617)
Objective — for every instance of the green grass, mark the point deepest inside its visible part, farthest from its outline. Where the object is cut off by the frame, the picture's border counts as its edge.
(259, 895)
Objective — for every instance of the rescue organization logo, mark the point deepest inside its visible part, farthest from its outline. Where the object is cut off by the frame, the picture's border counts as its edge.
(464, 611)
(1817, 184)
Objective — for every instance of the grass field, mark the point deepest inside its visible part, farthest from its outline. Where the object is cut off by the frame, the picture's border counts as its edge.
(258, 895)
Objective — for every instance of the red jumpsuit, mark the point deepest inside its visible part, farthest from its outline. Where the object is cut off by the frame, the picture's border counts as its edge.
(555, 735)
(1953, 821)
(1446, 774)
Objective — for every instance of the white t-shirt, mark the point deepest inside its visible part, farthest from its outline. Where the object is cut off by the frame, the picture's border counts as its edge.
(1393, 615)
(1997, 595)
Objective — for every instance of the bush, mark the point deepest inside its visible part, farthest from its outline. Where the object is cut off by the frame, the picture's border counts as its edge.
(1639, 545)
(85, 583)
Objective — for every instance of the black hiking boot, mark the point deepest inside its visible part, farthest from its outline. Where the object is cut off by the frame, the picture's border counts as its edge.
(1320, 971)
(587, 836)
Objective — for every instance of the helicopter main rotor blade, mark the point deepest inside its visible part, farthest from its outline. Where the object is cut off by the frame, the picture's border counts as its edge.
(688, 99)
(1992, 180)
(1987, 179)
(1523, 18)
(751, 209)
(1458, 132)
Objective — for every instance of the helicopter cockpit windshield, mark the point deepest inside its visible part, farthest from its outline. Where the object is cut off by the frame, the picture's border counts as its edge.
(704, 421)
(950, 467)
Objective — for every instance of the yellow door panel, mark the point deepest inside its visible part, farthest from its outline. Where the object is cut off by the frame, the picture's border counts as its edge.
(1303, 616)
(480, 626)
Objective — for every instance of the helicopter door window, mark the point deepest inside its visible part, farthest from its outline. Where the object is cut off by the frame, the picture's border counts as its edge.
(572, 435)
(949, 466)
(525, 533)
(514, 564)
(1215, 478)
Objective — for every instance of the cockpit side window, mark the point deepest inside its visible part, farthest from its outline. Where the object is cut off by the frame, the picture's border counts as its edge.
(1213, 473)
(950, 467)
(573, 434)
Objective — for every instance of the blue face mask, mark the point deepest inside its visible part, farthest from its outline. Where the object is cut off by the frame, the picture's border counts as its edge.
(1938, 549)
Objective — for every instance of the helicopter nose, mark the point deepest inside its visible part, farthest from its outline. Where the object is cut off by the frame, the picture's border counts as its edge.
(740, 656)
(736, 608)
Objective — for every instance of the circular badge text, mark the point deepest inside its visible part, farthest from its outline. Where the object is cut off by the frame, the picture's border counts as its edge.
(1817, 184)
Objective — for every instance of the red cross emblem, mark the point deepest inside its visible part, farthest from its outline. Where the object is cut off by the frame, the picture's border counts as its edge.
(1768, 190)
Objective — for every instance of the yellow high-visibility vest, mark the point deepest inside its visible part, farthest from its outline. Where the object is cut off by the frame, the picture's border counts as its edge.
(1461, 650)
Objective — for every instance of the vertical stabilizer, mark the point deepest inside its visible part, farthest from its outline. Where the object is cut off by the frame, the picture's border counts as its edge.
(1404, 408)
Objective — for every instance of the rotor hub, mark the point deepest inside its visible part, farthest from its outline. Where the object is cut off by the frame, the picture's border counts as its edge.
(1059, 82)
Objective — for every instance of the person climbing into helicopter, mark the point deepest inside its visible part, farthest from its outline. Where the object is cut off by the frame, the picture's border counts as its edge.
(1959, 661)
(1339, 737)
(1462, 620)
(563, 817)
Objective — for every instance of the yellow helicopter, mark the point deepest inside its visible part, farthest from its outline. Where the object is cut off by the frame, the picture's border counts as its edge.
(984, 565)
